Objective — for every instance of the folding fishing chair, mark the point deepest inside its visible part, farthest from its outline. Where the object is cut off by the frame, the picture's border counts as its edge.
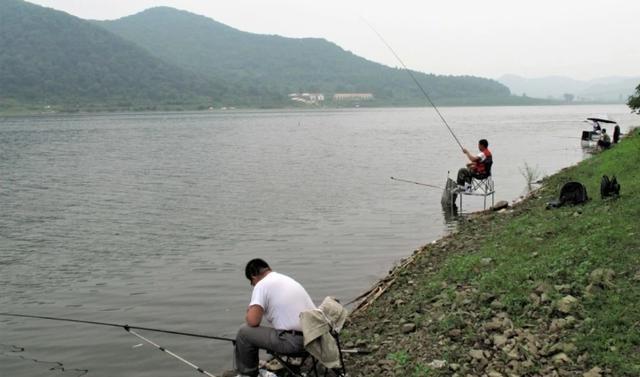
(303, 364)
(482, 186)
(320, 353)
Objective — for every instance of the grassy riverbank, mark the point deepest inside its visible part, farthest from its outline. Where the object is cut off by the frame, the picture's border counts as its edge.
(526, 292)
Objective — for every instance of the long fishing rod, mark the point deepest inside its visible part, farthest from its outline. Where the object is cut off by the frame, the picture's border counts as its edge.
(126, 327)
(163, 349)
(415, 81)
(416, 183)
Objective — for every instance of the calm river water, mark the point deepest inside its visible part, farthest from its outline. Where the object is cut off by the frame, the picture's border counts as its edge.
(148, 219)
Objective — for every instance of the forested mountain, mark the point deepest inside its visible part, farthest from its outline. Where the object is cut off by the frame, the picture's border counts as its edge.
(285, 65)
(47, 56)
(165, 57)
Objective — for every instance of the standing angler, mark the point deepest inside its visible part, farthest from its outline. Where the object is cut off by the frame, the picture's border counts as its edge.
(279, 299)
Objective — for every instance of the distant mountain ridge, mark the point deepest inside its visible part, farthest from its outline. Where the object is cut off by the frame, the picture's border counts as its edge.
(284, 65)
(607, 89)
(163, 58)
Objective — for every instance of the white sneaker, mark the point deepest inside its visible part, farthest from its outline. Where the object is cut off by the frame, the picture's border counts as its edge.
(266, 373)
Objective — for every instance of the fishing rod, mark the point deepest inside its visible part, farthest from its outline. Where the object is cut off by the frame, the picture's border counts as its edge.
(163, 349)
(126, 327)
(416, 183)
(415, 81)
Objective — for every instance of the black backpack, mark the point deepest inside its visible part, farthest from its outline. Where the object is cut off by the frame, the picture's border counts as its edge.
(570, 193)
(609, 187)
(573, 193)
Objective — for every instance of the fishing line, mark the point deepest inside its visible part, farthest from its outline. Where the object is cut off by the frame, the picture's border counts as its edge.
(414, 80)
(15, 352)
(126, 327)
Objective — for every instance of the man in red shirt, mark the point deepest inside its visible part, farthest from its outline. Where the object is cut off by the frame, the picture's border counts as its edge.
(478, 167)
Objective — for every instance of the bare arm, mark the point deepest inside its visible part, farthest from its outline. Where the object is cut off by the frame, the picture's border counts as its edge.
(471, 157)
(254, 315)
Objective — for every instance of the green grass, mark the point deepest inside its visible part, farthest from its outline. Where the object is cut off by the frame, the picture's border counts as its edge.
(562, 247)
(495, 262)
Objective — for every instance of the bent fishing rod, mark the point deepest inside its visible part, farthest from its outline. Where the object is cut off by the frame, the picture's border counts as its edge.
(444, 121)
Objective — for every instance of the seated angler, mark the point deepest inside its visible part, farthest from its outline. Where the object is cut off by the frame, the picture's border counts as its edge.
(478, 167)
(605, 140)
(279, 299)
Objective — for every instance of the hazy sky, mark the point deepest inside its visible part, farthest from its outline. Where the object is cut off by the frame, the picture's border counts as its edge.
(583, 39)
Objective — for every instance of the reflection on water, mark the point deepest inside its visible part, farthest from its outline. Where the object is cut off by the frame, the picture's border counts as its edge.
(148, 219)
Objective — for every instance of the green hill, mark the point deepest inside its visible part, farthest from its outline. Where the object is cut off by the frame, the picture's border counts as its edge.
(163, 58)
(286, 65)
(50, 57)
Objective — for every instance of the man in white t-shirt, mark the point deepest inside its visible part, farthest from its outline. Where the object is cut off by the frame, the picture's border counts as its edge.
(279, 299)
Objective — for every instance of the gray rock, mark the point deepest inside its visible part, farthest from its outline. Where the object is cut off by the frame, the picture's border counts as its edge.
(563, 288)
(602, 277)
(408, 328)
(455, 333)
(543, 288)
(437, 364)
(535, 299)
(561, 359)
(583, 358)
(477, 354)
(595, 372)
(567, 304)
(486, 261)
(562, 348)
(499, 340)
(513, 354)
(500, 205)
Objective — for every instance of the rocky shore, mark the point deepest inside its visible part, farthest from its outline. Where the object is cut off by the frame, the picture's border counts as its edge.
(520, 292)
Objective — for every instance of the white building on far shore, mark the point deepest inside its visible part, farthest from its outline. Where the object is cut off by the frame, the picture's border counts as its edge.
(308, 98)
(352, 97)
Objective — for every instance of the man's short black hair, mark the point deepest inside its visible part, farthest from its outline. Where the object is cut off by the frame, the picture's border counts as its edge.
(484, 143)
(255, 267)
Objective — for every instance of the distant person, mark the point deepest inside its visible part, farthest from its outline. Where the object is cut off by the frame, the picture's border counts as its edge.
(279, 299)
(479, 166)
(605, 140)
(616, 134)
(596, 127)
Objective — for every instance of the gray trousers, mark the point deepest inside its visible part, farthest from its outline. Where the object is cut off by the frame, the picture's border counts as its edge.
(250, 340)
(464, 176)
